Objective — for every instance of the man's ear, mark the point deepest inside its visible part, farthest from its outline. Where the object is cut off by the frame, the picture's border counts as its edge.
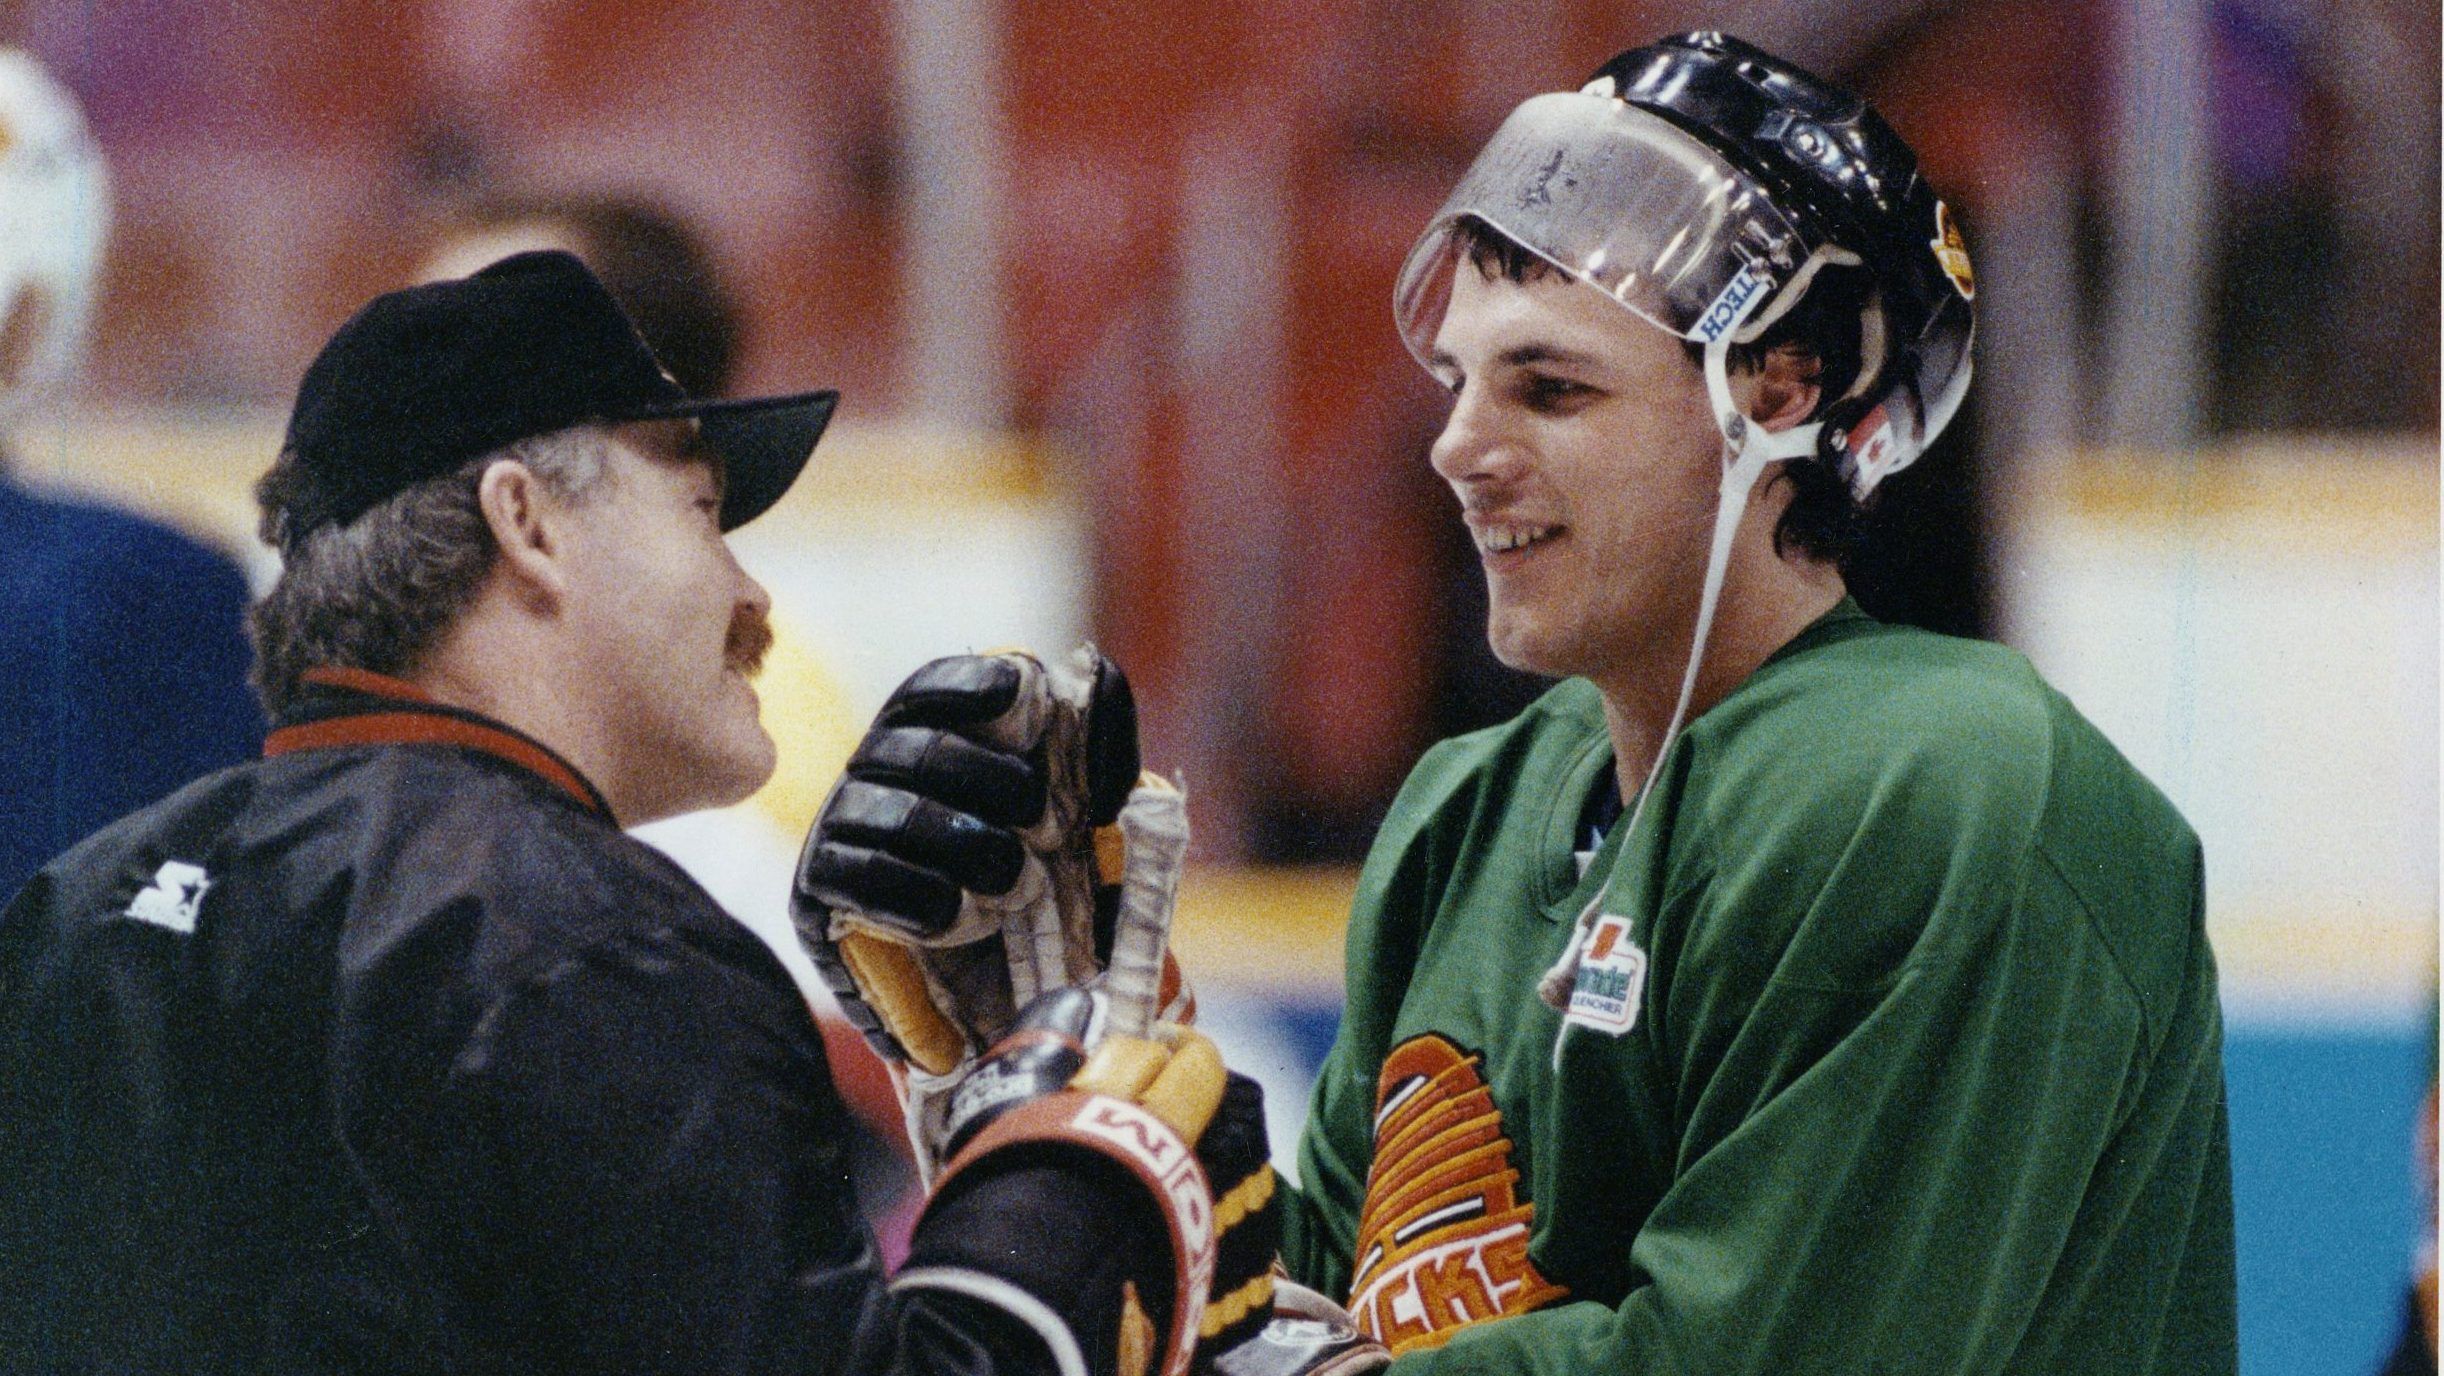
(525, 524)
(1786, 389)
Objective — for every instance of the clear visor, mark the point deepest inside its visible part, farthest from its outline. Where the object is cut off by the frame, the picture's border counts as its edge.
(1623, 201)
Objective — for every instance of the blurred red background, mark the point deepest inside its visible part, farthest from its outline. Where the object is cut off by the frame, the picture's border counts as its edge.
(1164, 236)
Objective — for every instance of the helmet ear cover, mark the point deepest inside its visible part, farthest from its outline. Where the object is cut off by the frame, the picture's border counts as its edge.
(1832, 310)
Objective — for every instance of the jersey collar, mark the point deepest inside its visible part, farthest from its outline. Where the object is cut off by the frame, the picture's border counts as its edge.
(344, 707)
(1845, 619)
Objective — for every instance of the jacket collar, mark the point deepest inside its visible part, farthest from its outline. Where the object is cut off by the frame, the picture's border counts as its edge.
(344, 707)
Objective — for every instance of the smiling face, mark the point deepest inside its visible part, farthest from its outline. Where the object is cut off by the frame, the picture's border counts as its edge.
(1585, 459)
(669, 629)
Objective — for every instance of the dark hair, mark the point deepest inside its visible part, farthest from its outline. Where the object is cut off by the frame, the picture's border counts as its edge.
(657, 268)
(1824, 520)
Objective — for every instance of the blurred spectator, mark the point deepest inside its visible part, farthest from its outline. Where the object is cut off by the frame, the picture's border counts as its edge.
(655, 264)
(122, 653)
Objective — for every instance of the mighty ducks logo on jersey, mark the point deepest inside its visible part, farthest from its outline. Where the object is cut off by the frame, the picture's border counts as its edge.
(1442, 1241)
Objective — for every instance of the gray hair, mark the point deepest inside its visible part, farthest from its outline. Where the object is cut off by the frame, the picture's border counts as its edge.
(377, 592)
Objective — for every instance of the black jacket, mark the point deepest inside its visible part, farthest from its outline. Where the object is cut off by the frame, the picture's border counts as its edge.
(390, 1052)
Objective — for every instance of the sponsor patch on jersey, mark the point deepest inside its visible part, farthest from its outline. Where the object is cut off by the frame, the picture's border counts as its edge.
(1611, 979)
(174, 898)
(1443, 1236)
(1952, 252)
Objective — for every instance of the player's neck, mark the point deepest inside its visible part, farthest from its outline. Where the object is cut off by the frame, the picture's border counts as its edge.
(1764, 606)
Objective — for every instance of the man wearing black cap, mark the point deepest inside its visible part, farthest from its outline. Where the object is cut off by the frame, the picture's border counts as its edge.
(390, 1052)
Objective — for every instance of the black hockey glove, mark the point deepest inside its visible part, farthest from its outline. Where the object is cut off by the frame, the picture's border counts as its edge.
(1257, 1323)
(1075, 1197)
(992, 839)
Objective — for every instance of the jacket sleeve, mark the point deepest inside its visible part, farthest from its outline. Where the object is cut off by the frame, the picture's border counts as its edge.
(1895, 1077)
(624, 1168)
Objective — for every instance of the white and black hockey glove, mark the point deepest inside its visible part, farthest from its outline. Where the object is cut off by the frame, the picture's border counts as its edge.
(992, 839)
(1076, 1193)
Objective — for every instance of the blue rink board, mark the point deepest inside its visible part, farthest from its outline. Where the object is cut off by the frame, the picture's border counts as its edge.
(2323, 1182)
(2323, 1187)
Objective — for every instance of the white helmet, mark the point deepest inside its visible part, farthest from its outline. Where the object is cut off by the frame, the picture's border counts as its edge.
(54, 218)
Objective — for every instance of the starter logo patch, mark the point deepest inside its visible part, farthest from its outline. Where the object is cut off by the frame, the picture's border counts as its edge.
(1611, 979)
(1442, 1240)
(176, 896)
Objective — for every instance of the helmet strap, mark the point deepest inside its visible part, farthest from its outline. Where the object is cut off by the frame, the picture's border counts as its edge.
(1747, 449)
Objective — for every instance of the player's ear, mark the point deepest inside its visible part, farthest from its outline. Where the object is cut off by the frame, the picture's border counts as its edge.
(1788, 383)
(524, 520)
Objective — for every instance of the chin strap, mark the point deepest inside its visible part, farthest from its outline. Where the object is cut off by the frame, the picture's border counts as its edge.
(1747, 449)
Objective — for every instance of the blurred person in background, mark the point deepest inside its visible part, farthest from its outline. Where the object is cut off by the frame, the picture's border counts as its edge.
(2414, 1350)
(667, 279)
(655, 264)
(122, 645)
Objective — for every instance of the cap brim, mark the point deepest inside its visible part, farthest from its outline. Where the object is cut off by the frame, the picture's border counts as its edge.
(763, 443)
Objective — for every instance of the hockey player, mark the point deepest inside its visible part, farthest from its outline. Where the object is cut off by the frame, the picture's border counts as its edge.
(1783, 991)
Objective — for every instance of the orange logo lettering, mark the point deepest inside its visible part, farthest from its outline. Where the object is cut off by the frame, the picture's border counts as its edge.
(1442, 1239)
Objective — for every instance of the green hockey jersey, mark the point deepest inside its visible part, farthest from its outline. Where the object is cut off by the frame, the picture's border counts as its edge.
(1895, 1045)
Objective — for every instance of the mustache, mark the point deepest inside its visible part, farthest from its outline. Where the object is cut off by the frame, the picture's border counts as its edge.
(748, 641)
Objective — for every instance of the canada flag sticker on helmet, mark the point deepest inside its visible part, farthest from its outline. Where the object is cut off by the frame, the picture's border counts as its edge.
(1953, 253)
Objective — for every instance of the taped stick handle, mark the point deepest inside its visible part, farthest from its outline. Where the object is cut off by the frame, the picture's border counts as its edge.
(1154, 823)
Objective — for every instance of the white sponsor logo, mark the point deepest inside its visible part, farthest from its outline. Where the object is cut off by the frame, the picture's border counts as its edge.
(990, 1087)
(1611, 979)
(175, 897)
(1732, 307)
(1151, 1143)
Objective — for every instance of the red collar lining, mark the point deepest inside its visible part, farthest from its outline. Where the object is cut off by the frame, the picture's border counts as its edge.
(409, 716)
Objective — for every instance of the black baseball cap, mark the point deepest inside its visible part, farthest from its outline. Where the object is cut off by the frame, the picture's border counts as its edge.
(422, 380)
